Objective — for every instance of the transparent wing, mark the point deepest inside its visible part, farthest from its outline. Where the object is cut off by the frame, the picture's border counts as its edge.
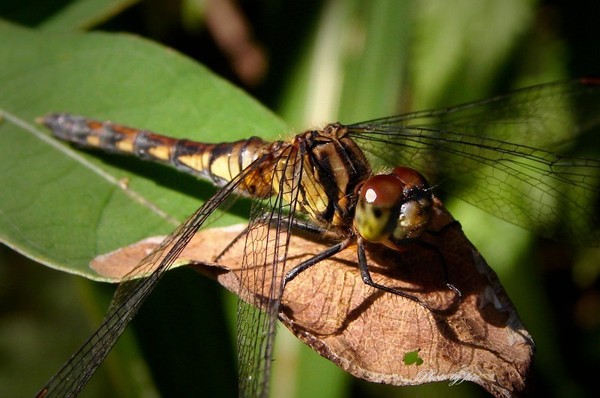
(265, 255)
(128, 298)
(507, 155)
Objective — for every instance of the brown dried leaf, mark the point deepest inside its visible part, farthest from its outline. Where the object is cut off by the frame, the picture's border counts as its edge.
(379, 336)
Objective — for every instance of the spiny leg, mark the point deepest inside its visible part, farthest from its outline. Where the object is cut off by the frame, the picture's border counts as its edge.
(331, 251)
(430, 246)
(450, 286)
(367, 279)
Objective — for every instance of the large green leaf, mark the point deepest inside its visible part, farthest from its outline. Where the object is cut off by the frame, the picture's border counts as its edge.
(82, 14)
(62, 207)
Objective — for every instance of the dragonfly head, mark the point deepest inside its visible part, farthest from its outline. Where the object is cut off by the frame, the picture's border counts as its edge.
(393, 207)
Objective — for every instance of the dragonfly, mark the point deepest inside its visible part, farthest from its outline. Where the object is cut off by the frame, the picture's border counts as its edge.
(510, 155)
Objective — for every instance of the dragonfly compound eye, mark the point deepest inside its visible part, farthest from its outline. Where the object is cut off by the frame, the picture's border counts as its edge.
(378, 207)
(393, 206)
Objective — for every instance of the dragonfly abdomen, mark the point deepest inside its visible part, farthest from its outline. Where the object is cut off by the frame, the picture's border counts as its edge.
(332, 164)
(219, 163)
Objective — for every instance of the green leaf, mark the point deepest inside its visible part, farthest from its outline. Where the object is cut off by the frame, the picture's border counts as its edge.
(61, 206)
(83, 14)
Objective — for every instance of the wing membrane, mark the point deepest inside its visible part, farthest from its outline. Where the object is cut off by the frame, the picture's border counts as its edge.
(502, 155)
(129, 296)
(265, 254)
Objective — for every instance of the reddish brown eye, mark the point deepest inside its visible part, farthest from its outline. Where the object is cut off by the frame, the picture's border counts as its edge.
(411, 178)
(393, 207)
(378, 207)
(382, 190)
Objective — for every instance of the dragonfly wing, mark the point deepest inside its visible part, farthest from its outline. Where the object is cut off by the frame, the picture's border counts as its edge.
(264, 261)
(128, 298)
(502, 155)
(543, 116)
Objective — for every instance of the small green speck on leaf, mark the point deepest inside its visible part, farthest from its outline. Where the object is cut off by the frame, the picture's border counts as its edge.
(412, 357)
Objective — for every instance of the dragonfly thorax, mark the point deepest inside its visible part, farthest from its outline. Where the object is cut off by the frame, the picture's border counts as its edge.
(393, 207)
(333, 167)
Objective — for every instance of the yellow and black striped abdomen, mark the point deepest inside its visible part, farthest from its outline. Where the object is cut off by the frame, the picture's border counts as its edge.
(219, 163)
(319, 170)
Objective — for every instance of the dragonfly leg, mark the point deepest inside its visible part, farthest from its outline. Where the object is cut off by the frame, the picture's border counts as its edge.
(450, 286)
(367, 279)
(430, 246)
(308, 227)
(298, 225)
(294, 272)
